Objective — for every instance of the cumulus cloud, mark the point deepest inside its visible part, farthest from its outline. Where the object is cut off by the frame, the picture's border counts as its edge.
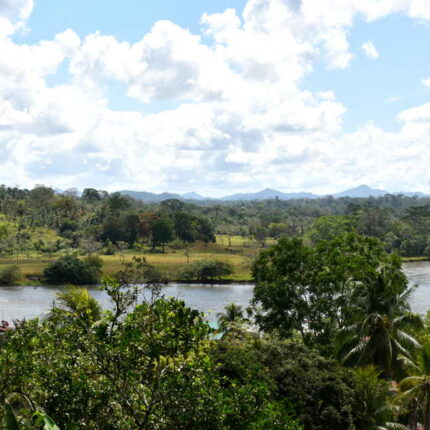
(16, 10)
(13, 16)
(370, 50)
(239, 117)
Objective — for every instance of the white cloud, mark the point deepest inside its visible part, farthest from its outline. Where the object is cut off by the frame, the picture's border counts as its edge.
(370, 50)
(16, 10)
(241, 118)
(13, 16)
(426, 82)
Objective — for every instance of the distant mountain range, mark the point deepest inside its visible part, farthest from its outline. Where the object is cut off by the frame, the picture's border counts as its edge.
(152, 197)
(365, 191)
(361, 191)
(268, 193)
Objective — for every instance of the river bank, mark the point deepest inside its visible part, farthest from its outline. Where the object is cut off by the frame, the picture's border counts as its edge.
(28, 301)
(170, 263)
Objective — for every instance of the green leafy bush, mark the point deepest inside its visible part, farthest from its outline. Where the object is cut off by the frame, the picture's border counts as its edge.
(10, 275)
(206, 270)
(109, 248)
(72, 270)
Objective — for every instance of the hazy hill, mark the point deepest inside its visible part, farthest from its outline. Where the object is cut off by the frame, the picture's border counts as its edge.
(269, 193)
(362, 191)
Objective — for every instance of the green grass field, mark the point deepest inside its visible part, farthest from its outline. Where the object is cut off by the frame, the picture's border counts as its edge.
(240, 255)
(238, 251)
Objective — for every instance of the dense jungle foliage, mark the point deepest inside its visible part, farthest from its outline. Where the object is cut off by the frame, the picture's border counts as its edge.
(328, 342)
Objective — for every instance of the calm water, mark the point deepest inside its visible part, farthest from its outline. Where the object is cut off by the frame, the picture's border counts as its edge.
(419, 274)
(27, 302)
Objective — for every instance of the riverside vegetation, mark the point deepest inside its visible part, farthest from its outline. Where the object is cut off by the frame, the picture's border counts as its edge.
(39, 226)
(328, 342)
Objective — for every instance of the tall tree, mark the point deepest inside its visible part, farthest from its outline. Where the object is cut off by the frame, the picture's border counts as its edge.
(380, 317)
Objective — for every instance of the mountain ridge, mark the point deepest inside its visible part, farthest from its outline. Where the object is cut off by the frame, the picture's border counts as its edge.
(361, 191)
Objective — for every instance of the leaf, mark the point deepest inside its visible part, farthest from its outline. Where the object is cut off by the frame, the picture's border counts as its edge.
(10, 421)
(48, 423)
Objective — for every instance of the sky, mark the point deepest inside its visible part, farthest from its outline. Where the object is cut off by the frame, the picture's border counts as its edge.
(215, 97)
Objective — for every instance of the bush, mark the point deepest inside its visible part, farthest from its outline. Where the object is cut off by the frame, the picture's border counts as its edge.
(72, 270)
(324, 394)
(109, 248)
(177, 244)
(206, 270)
(10, 275)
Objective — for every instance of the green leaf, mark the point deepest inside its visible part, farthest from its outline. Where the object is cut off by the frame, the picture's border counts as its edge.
(10, 421)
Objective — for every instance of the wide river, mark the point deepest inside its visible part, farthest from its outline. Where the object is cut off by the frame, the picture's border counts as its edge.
(27, 301)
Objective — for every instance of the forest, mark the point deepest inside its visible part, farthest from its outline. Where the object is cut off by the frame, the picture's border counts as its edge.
(41, 225)
(328, 342)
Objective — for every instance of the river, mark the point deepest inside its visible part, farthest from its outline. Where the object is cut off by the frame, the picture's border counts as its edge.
(27, 301)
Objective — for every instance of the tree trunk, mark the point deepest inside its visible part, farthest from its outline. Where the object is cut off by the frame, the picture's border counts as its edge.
(427, 414)
(412, 422)
(413, 418)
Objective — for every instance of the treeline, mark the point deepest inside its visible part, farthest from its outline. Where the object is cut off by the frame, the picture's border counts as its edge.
(109, 222)
(96, 221)
(401, 223)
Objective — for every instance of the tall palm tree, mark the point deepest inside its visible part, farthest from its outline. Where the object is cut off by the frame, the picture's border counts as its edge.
(377, 333)
(233, 317)
(415, 389)
(79, 302)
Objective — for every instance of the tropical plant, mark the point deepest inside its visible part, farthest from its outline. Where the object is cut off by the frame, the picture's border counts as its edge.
(381, 316)
(414, 390)
(377, 412)
(37, 420)
(10, 420)
(79, 302)
(232, 317)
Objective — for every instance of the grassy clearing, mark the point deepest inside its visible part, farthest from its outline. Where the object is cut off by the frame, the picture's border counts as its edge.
(412, 259)
(240, 255)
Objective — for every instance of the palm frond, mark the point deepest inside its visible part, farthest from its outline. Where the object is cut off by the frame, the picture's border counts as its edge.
(10, 421)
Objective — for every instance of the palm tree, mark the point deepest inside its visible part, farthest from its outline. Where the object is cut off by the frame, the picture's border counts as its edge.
(233, 317)
(415, 389)
(79, 302)
(381, 314)
(374, 395)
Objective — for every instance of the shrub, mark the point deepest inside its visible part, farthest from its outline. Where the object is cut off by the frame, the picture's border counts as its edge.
(10, 275)
(324, 394)
(206, 270)
(109, 248)
(72, 270)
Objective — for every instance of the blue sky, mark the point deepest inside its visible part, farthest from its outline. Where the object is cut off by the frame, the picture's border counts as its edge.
(127, 20)
(378, 90)
(215, 96)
